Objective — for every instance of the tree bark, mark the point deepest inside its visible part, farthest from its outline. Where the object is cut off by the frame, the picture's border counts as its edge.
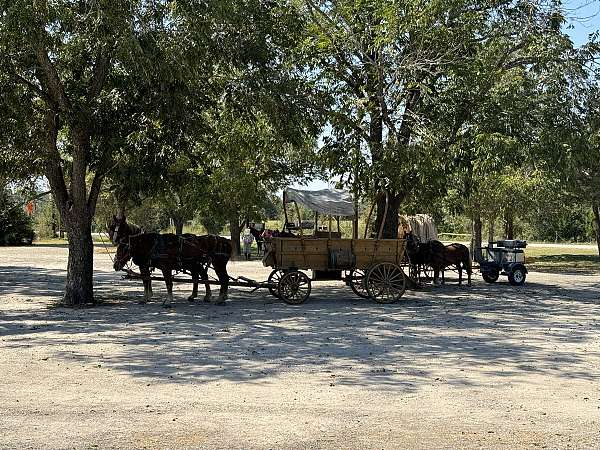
(178, 222)
(596, 210)
(476, 236)
(509, 225)
(491, 229)
(390, 226)
(79, 286)
(235, 230)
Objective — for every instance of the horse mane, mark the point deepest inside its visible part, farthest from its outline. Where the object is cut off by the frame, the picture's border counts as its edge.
(134, 229)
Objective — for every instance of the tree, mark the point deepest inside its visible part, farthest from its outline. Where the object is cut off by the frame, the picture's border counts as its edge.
(69, 75)
(406, 77)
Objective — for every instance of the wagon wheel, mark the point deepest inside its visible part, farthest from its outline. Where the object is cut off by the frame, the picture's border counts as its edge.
(294, 288)
(357, 283)
(273, 279)
(385, 282)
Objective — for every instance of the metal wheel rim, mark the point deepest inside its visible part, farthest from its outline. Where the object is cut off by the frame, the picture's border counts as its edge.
(518, 276)
(294, 288)
(357, 283)
(274, 277)
(386, 283)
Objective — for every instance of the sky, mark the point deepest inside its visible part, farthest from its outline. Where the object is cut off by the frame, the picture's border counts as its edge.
(583, 19)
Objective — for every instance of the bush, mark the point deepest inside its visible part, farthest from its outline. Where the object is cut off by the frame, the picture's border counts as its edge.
(15, 226)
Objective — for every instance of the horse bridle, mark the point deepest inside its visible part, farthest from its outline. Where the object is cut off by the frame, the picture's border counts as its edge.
(123, 261)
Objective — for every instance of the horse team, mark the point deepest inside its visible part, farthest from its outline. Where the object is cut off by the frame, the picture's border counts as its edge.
(169, 253)
(195, 254)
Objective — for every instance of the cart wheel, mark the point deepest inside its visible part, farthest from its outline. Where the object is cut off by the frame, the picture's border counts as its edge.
(385, 283)
(491, 276)
(294, 288)
(357, 283)
(517, 276)
(274, 278)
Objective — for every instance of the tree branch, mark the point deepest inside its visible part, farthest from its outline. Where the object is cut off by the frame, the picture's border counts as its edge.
(100, 71)
(39, 91)
(55, 86)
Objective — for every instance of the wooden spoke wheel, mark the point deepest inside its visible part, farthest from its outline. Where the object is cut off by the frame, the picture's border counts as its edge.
(357, 283)
(273, 279)
(294, 288)
(385, 282)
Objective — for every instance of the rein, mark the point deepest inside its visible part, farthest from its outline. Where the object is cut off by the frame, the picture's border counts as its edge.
(104, 243)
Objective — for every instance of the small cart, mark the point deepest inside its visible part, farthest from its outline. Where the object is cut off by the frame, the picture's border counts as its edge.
(504, 257)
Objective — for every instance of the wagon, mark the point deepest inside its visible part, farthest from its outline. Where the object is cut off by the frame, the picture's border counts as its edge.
(504, 257)
(371, 267)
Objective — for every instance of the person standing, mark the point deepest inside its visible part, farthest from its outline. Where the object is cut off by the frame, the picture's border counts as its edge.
(247, 240)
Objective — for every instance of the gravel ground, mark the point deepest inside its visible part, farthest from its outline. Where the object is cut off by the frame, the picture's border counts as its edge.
(491, 366)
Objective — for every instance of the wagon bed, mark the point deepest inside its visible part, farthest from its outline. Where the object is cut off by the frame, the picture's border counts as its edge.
(372, 266)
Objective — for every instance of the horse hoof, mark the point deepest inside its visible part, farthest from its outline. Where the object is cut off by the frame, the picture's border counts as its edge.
(142, 302)
(167, 306)
(206, 299)
(220, 303)
(191, 299)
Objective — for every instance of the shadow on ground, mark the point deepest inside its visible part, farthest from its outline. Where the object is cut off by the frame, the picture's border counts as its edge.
(496, 330)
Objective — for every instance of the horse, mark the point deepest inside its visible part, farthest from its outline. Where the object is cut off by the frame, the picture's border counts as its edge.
(439, 256)
(169, 252)
(450, 255)
(421, 254)
(119, 230)
(257, 237)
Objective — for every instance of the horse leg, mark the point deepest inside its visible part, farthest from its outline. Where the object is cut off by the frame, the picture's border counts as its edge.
(195, 286)
(204, 275)
(145, 272)
(221, 270)
(459, 267)
(169, 283)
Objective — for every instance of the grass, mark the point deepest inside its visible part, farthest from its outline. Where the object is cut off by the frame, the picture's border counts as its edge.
(565, 260)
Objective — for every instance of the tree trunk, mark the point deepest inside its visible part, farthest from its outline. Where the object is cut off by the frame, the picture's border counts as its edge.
(178, 222)
(509, 225)
(476, 236)
(54, 228)
(235, 230)
(79, 286)
(596, 210)
(390, 227)
(491, 229)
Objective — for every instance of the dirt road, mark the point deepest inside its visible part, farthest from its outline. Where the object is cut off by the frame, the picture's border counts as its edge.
(485, 367)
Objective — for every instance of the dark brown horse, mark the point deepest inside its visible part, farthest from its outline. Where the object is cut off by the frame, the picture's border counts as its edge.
(456, 255)
(257, 237)
(438, 256)
(119, 230)
(168, 252)
(421, 254)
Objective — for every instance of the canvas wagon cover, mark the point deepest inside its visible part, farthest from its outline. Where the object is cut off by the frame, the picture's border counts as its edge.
(334, 202)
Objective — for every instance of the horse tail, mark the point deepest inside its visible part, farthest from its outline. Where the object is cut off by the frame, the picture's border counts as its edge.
(224, 246)
(467, 262)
